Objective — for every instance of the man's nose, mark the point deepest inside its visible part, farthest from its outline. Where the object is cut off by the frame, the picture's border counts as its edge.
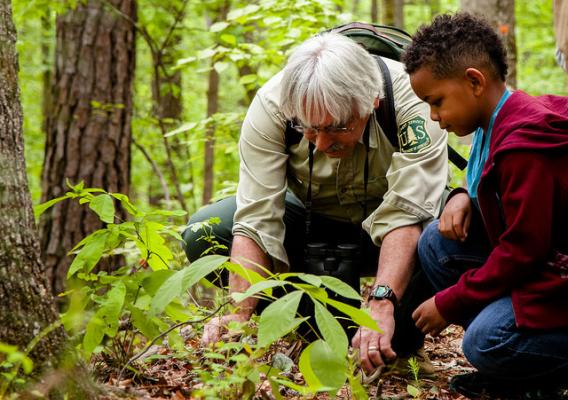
(323, 141)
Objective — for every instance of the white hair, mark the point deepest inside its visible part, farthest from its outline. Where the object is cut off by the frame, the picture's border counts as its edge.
(329, 73)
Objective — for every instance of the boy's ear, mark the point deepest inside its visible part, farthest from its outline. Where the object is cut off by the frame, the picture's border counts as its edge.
(476, 80)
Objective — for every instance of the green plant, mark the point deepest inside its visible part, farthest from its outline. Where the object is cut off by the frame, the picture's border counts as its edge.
(146, 301)
(414, 389)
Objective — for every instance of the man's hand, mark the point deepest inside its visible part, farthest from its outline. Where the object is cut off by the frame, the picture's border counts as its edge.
(375, 348)
(456, 217)
(214, 329)
(428, 319)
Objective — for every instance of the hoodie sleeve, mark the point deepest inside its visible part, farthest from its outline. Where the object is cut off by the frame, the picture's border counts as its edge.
(527, 187)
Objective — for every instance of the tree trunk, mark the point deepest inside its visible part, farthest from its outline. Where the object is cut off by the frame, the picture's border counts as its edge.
(501, 15)
(374, 11)
(212, 108)
(393, 13)
(209, 164)
(89, 123)
(26, 304)
(46, 26)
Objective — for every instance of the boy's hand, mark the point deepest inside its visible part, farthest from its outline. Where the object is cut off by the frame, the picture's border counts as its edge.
(456, 217)
(428, 319)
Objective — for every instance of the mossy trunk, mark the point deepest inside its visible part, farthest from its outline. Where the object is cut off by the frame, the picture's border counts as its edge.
(26, 305)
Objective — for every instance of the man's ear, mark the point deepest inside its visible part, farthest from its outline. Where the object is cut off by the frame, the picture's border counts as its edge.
(476, 80)
(376, 103)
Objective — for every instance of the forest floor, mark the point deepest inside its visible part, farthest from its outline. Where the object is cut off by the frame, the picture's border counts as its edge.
(173, 378)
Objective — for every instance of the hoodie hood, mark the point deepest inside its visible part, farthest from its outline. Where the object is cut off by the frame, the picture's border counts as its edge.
(527, 122)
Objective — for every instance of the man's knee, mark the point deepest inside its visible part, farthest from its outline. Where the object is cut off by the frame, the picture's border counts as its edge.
(202, 235)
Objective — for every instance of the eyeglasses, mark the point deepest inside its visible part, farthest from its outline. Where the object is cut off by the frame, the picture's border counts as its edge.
(330, 130)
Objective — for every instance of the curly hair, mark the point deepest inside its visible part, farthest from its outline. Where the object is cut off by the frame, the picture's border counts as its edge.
(453, 43)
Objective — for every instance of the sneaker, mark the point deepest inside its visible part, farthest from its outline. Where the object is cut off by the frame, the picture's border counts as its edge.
(477, 386)
(401, 366)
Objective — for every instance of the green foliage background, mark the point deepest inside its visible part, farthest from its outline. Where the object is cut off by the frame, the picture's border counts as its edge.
(260, 35)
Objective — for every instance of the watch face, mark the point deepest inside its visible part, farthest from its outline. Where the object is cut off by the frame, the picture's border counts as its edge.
(381, 291)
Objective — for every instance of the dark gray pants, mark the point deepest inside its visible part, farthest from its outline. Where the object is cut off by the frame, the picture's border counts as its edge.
(407, 338)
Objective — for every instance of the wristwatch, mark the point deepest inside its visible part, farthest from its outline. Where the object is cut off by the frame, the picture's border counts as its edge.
(381, 292)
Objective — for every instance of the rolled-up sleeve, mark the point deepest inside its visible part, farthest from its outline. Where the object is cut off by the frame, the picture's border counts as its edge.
(262, 176)
(418, 174)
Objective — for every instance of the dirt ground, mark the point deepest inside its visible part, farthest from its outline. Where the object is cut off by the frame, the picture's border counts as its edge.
(172, 378)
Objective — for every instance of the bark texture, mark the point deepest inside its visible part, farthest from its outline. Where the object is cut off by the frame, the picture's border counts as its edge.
(89, 123)
(501, 15)
(26, 305)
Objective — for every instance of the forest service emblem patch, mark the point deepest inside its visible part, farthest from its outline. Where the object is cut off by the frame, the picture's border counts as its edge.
(413, 136)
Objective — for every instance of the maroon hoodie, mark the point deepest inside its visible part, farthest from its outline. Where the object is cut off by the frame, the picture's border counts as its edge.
(523, 197)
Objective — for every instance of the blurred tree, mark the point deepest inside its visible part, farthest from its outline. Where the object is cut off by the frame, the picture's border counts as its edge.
(561, 28)
(375, 11)
(220, 14)
(89, 121)
(501, 15)
(393, 13)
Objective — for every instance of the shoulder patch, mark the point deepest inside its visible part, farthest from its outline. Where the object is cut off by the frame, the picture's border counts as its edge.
(413, 136)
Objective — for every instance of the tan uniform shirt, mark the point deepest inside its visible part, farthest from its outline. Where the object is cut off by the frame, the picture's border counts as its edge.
(404, 187)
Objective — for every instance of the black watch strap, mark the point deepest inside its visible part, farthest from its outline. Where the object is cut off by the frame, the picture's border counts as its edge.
(383, 292)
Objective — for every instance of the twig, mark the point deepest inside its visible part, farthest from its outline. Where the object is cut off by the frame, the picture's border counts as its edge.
(161, 335)
(155, 168)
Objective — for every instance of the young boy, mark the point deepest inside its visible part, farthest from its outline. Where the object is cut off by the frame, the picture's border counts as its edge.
(498, 255)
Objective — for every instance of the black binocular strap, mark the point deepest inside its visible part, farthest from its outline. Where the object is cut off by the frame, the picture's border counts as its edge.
(308, 205)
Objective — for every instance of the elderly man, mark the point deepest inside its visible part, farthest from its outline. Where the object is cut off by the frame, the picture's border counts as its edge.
(356, 187)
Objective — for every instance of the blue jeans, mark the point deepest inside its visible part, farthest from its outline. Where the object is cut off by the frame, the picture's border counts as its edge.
(492, 342)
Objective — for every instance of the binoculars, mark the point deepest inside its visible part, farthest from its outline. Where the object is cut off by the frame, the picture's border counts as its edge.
(341, 261)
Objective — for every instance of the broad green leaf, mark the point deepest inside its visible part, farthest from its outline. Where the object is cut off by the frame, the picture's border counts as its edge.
(90, 254)
(168, 291)
(152, 246)
(282, 362)
(41, 208)
(331, 330)
(246, 79)
(144, 323)
(221, 66)
(218, 26)
(126, 204)
(184, 128)
(413, 391)
(359, 316)
(322, 368)
(256, 288)
(311, 279)
(182, 280)
(104, 207)
(169, 213)
(302, 390)
(248, 275)
(111, 308)
(201, 268)
(93, 335)
(155, 280)
(340, 287)
(229, 39)
(278, 319)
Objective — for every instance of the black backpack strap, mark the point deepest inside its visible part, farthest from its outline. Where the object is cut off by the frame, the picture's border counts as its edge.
(385, 113)
(387, 118)
(291, 136)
